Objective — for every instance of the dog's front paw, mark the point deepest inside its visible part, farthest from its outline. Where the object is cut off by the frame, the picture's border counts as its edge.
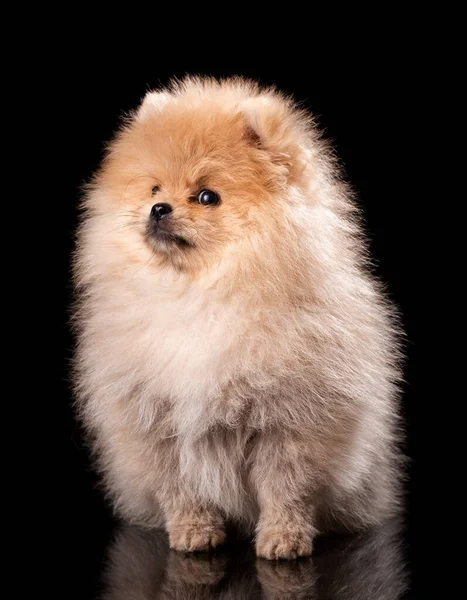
(274, 544)
(191, 538)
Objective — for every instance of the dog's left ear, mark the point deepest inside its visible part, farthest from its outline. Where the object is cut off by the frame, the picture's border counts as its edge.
(272, 125)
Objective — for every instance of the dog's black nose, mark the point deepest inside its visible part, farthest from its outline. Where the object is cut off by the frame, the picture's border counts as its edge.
(160, 211)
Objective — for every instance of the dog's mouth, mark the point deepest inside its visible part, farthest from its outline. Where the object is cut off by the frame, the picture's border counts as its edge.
(162, 233)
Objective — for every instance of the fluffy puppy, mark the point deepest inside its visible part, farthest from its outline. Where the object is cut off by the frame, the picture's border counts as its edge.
(237, 362)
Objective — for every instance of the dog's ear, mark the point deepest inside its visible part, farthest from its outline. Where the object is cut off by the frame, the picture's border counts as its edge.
(272, 125)
(152, 103)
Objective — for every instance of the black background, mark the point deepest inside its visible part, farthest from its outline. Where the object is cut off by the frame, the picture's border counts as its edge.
(363, 101)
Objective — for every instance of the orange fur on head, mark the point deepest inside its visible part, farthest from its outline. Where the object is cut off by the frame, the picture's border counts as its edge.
(246, 150)
(236, 360)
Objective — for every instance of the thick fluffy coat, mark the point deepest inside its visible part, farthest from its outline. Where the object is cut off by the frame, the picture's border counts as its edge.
(236, 360)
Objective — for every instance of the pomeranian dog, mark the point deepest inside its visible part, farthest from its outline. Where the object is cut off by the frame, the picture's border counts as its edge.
(237, 362)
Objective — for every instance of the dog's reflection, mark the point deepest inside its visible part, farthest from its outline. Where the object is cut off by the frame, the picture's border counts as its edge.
(368, 566)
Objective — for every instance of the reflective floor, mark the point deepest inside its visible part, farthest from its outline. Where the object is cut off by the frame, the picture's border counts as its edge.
(138, 565)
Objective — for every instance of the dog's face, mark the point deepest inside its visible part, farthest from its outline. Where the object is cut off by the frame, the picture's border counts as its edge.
(191, 179)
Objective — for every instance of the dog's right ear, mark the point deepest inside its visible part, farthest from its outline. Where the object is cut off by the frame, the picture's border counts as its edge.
(152, 103)
(271, 123)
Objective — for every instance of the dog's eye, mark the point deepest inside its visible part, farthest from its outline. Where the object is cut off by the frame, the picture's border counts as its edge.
(155, 189)
(208, 197)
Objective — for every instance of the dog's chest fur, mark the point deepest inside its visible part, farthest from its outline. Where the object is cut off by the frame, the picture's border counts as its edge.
(180, 344)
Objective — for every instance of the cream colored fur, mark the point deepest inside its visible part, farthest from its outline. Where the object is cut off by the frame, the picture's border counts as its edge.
(251, 376)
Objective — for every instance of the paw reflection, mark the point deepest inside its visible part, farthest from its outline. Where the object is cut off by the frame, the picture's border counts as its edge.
(358, 567)
(287, 580)
(196, 569)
